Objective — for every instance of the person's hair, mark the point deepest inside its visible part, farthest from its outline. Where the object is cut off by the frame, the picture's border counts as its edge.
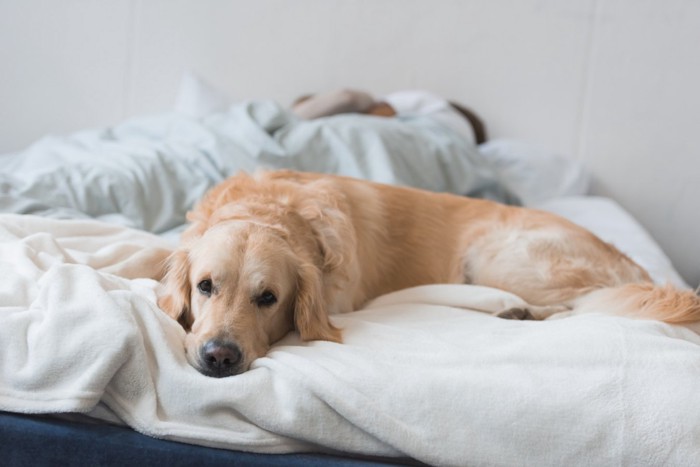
(477, 124)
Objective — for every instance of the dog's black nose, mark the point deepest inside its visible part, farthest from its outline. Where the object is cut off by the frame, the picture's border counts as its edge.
(220, 358)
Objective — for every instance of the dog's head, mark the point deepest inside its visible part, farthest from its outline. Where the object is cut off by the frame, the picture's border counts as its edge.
(240, 285)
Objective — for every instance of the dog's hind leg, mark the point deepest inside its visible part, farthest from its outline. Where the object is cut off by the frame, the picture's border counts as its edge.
(549, 268)
(533, 312)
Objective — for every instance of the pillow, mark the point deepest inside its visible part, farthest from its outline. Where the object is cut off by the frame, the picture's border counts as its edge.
(532, 174)
(196, 98)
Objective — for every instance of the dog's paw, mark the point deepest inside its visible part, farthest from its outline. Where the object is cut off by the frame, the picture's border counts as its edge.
(520, 314)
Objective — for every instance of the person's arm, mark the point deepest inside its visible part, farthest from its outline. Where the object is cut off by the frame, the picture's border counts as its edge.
(332, 103)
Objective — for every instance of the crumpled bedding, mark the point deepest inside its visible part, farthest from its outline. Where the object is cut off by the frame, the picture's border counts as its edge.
(425, 373)
(147, 172)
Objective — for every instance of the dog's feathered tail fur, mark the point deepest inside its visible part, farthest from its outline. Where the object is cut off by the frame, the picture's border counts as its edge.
(644, 300)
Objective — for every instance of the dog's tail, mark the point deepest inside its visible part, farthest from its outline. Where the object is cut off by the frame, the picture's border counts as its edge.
(646, 301)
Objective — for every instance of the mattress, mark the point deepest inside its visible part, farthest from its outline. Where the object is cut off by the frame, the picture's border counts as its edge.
(46, 441)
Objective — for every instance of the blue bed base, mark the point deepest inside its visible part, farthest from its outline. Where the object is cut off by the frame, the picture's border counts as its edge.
(29, 440)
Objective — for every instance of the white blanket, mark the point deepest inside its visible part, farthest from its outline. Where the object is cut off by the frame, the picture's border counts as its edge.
(422, 373)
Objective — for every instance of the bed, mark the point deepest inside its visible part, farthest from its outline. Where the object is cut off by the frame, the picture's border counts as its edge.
(91, 371)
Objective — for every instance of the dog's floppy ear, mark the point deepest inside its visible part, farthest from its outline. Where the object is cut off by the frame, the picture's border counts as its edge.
(174, 298)
(331, 227)
(310, 313)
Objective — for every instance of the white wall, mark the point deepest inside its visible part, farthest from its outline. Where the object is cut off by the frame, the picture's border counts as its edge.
(612, 82)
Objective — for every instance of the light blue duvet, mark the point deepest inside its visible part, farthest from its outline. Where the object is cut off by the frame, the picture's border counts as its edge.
(147, 172)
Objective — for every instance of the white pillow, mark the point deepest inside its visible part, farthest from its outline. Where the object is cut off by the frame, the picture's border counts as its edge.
(532, 174)
(196, 98)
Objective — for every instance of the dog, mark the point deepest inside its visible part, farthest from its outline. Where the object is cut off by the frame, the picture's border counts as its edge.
(280, 250)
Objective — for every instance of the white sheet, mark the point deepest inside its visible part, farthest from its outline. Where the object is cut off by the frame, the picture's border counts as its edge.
(421, 372)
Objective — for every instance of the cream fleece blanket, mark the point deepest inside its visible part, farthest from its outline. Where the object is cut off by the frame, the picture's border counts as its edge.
(423, 372)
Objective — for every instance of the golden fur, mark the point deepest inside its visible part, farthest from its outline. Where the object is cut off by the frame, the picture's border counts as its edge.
(282, 250)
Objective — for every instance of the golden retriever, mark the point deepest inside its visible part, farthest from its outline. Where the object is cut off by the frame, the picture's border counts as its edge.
(281, 250)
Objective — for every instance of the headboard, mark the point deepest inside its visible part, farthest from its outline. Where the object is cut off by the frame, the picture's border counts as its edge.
(614, 84)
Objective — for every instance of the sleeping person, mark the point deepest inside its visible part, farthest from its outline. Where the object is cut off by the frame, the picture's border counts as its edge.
(402, 103)
(411, 138)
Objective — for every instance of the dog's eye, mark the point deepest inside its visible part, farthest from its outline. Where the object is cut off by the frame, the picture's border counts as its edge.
(205, 287)
(265, 299)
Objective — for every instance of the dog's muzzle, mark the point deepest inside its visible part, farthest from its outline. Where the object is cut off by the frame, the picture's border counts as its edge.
(219, 358)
